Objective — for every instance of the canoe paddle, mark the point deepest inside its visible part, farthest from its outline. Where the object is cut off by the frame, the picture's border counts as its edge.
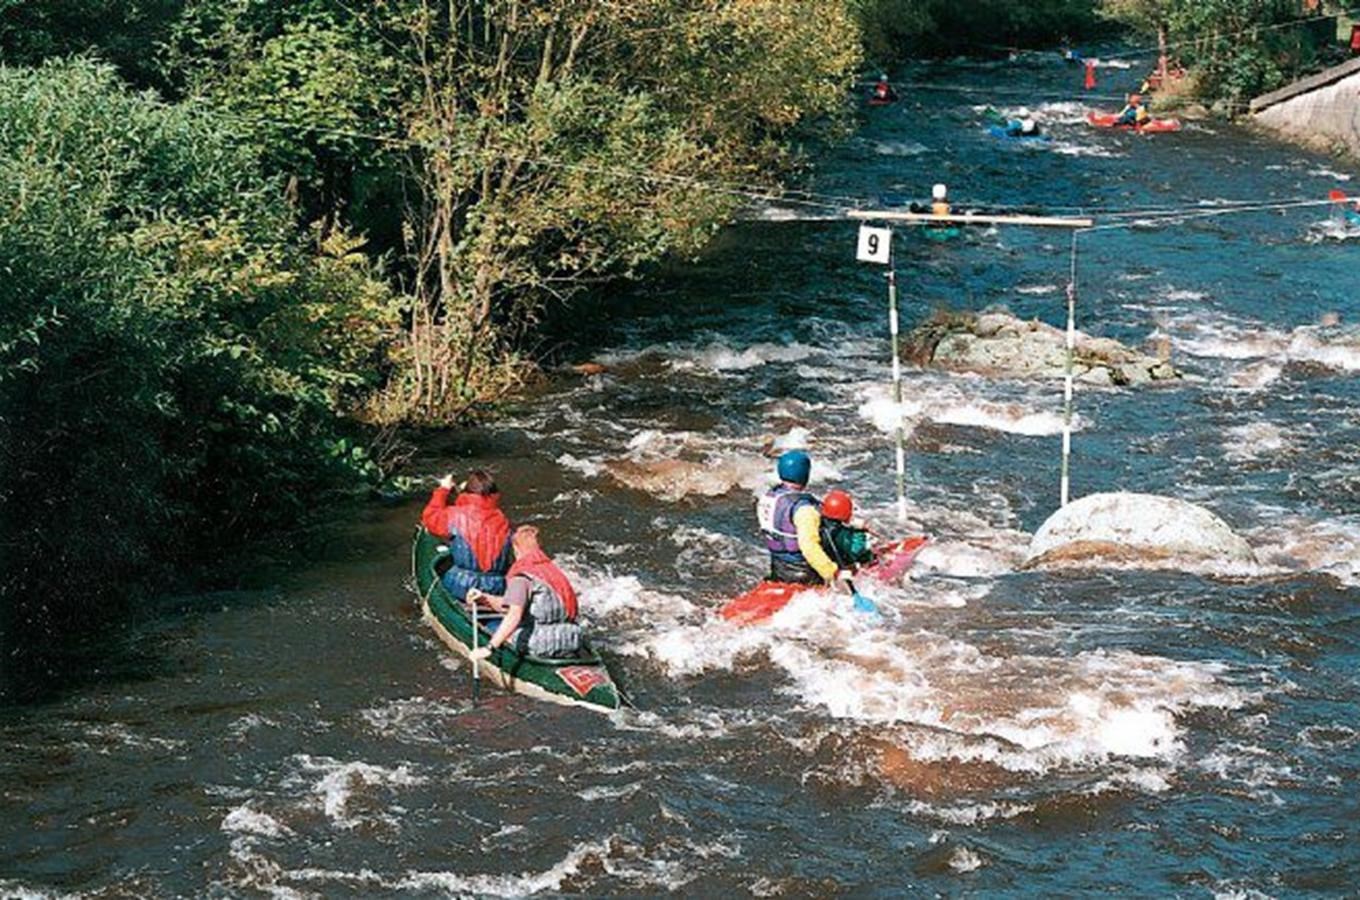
(476, 664)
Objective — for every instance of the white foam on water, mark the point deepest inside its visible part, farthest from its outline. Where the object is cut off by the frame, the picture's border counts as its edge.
(246, 820)
(616, 856)
(947, 404)
(899, 148)
(1037, 290)
(1257, 376)
(1250, 767)
(610, 791)
(721, 357)
(1255, 441)
(968, 814)
(17, 890)
(1324, 172)
(413, 720)
(1295, 543)
(1217, 337)
(964, 860)
(586, 467)
(1096, 151)
(1021, 712)
(1333, 229)
(340, 780)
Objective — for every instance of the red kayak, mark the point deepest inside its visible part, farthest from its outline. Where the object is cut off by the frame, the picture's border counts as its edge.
(769, 597)
(1151, 126)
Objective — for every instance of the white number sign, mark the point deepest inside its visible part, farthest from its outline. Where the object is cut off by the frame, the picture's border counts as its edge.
(875, 245)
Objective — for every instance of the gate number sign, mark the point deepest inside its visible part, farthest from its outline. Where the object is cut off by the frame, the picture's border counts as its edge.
(875, 245)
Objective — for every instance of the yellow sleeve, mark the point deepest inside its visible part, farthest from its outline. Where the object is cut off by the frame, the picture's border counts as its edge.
(808, 523)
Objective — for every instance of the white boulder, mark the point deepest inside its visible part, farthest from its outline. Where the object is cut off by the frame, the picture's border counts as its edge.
(1141, 531)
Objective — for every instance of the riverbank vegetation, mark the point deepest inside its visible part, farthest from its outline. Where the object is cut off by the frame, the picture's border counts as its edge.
(238, 234)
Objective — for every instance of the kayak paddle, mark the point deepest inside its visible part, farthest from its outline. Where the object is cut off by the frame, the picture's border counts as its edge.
(862, 603)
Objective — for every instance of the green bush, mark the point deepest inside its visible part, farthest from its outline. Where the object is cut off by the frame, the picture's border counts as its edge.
(172, 356)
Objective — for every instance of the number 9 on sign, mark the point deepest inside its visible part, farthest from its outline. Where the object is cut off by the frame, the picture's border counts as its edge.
(875, 245)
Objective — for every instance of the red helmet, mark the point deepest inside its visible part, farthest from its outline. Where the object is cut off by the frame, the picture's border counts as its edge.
(837, 505)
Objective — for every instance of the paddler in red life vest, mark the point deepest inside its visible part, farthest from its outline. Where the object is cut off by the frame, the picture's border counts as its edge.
(478, 533)
(883, 91)
(791, 520)
(539, 605)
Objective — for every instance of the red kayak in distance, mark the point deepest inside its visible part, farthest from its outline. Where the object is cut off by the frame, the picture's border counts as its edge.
(769, 597)
(1151, 126)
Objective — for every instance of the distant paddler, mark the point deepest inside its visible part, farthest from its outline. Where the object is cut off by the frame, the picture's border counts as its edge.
(1134, 114)
(882, 93)
(939, 200)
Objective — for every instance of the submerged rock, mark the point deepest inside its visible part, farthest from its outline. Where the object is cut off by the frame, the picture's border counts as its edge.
(1141, 531)
(998, 343)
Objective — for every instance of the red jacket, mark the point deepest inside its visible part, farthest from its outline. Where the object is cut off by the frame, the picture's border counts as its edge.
(475, 518)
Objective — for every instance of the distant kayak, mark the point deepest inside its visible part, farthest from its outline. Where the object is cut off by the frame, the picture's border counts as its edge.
(1151, 126)
(769, 597)
(881, 101)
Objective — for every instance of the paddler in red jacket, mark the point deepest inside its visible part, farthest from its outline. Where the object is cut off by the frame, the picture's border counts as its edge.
(477, 531)
(539, 605)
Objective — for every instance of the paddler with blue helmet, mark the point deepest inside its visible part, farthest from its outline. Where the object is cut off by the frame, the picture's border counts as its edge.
(791, 520)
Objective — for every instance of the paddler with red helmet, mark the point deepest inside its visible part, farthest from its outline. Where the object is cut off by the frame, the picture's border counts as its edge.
(847, 544)
(791, 520)
(477, 531)
(539, 605)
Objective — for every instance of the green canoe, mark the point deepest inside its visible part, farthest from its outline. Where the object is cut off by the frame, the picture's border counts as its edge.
(582, 680)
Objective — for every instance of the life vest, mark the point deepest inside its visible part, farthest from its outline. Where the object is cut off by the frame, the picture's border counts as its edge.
(546, 575)
(848, 547)
(940, 208)
(1142, 115)
(479, 545)
(775, 513)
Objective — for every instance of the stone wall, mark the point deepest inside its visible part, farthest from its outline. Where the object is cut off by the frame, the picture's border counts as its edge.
(1322, 111)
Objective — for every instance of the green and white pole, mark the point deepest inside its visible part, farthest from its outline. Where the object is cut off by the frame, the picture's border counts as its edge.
(1068, 380)
(893, 327)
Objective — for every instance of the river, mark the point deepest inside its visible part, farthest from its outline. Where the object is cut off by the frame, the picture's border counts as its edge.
(998, 731)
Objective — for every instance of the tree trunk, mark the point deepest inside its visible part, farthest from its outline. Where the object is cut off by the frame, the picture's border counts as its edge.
(1161, 53)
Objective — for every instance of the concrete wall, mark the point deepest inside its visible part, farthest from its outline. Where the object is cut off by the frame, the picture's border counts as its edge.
(1322, 111)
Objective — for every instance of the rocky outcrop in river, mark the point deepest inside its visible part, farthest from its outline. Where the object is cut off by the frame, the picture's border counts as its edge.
(999, 343)
(1139, 531)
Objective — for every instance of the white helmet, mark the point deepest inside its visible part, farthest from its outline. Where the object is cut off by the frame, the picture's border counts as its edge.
(1028, 126)
(1023, 112)
(939, 192)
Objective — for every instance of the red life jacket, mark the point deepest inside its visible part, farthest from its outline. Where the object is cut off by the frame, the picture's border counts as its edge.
(538, 566)
(478, 520)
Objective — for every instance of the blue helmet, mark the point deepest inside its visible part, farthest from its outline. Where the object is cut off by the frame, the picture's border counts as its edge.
(794, 467)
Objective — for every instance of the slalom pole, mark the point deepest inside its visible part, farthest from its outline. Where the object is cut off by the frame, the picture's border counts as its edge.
(1067, 381)
(897, 393)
